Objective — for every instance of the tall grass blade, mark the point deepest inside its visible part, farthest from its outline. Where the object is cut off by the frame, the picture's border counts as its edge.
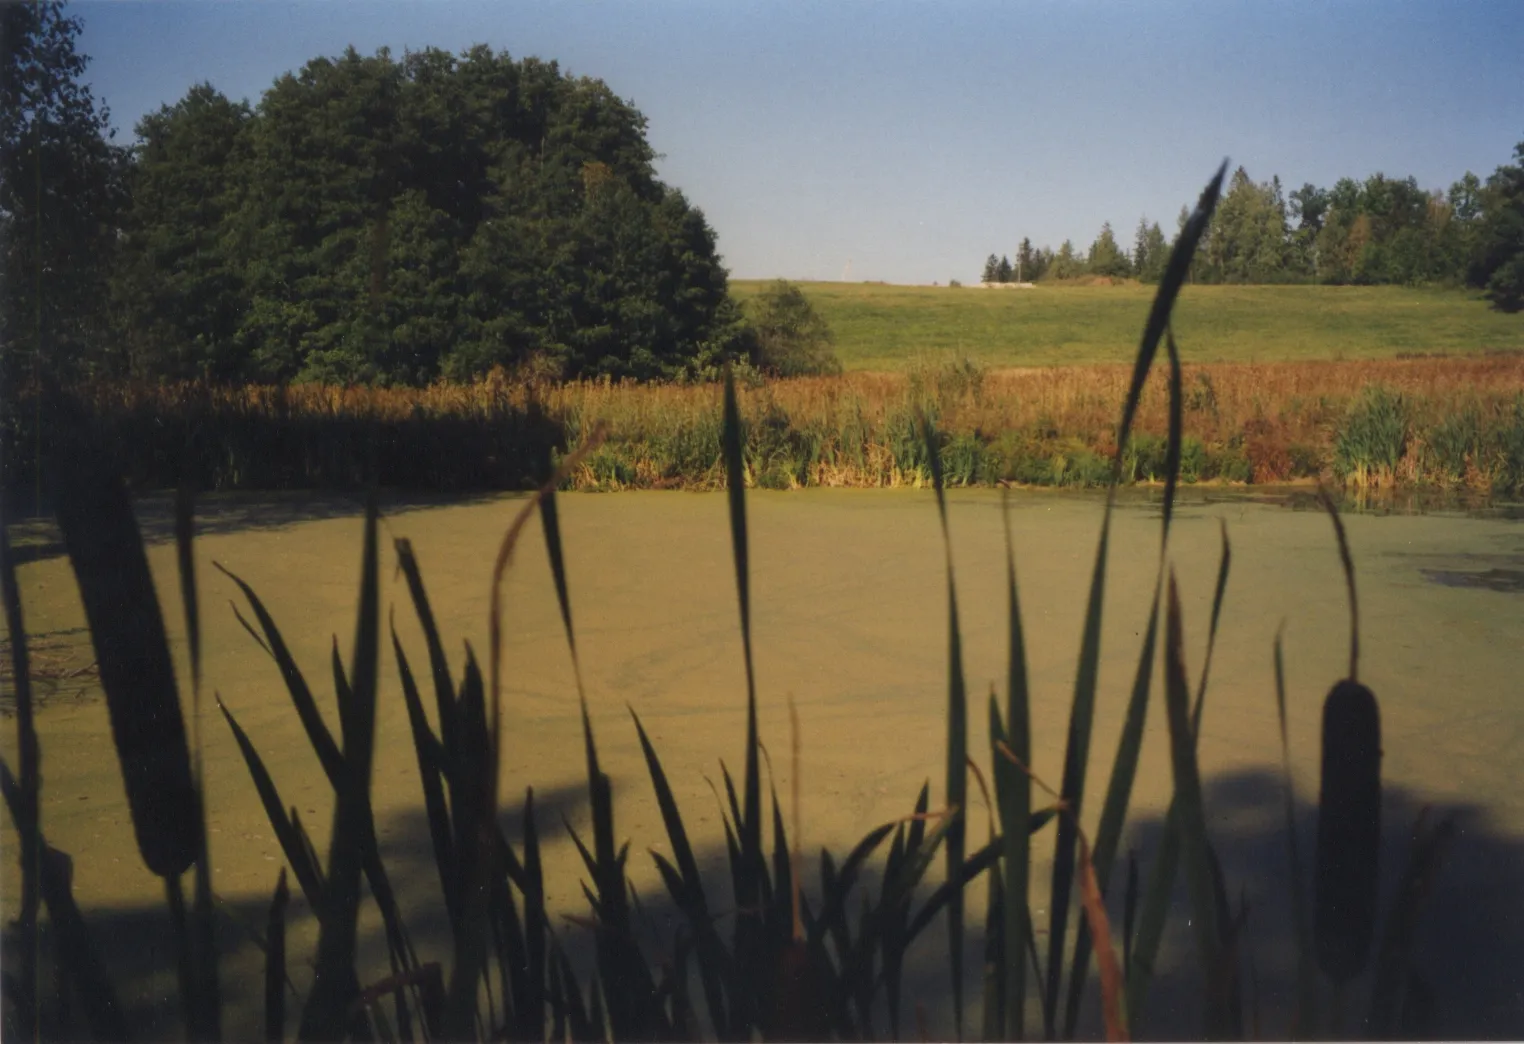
(1224, 565)
(993, 1022)
(1114, 812)
(439, 666)
(508, 940)
(626, 984)
(946, 893)
(248, 627)
(26, 808)
(1349, 582)
(430, 755)
(1395, 957)
(1129, 912)
(536, 927)
(185, 529)
(1305, 1017)
(471, 803)
(1194, 846)
(1129, 745)
(335, 987)
(1082, 711)
(751, 868)
(687, 887)
(131, 647)
(77, 955)
(301, 696)
(1112, 998)
(296, 851)
(551, 524)
(957, 737)
(204, 1011)
(275, 962)
(1175, 272)
(495, 596)
(1153, 910)
(308, 847)
(1076, 757)
(185, 960)
(1013, 796)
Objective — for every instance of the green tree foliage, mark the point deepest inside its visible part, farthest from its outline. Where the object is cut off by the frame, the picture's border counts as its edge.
(1003, 271)
(62, 187)
(1150, 253)
(1247, 242)
(1106, 257)
(1498, 265)
(393, 221)
(1066, 263)
(1029, 263)
(1308, 206)
(991, 272)
(179, 294)
(791, 339)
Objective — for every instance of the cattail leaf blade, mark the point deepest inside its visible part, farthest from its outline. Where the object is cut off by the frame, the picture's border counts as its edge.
(1305, 1018)
(275, 962)
(301, 696)
(1013, 797)
(132, 649)
(430, 755)
(296, 852)
(1191, 822)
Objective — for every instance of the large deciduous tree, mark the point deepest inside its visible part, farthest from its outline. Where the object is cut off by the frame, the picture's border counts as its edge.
(1498, 264)
(61, 191)
(179, 293)
(392, 221)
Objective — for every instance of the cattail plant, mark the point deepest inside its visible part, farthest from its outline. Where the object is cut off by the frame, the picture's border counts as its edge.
(1349, 809)
(127, 629)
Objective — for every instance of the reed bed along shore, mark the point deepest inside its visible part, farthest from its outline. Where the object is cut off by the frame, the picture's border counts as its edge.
(1447, 422)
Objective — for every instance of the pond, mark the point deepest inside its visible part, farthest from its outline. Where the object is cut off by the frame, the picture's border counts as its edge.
(849, 607)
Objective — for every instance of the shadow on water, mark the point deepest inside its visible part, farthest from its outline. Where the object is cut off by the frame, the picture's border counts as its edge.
(1468, 961)
(36, 537)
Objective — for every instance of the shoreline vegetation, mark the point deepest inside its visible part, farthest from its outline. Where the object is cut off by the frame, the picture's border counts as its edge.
(1449, 423)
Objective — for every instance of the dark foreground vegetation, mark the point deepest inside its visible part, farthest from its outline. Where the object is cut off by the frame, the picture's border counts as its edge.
(766, 951)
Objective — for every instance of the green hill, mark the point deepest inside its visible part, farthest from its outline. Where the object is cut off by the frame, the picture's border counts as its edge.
(881, 327)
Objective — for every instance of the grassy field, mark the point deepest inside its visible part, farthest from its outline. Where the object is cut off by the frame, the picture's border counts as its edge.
(880, 327)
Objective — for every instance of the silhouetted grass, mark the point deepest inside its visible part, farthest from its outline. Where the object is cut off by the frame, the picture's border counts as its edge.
(773, 956)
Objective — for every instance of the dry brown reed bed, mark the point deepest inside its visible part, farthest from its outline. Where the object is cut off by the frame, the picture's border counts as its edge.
(1244, 422)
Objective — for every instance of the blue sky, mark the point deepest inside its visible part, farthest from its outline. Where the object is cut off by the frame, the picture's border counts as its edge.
(912, 139)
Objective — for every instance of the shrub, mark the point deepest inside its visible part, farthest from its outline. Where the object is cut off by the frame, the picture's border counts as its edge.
(1452, 445)
(791, 338)
(1373, 438)
(1508, 452)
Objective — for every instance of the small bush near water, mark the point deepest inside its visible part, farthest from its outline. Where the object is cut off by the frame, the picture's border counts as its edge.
(763, 953)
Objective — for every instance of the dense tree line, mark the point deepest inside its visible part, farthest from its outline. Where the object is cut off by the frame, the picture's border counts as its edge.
(370, 219)
(1378, 231)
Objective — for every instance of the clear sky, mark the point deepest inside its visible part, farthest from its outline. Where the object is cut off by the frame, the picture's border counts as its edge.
(912, 139)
